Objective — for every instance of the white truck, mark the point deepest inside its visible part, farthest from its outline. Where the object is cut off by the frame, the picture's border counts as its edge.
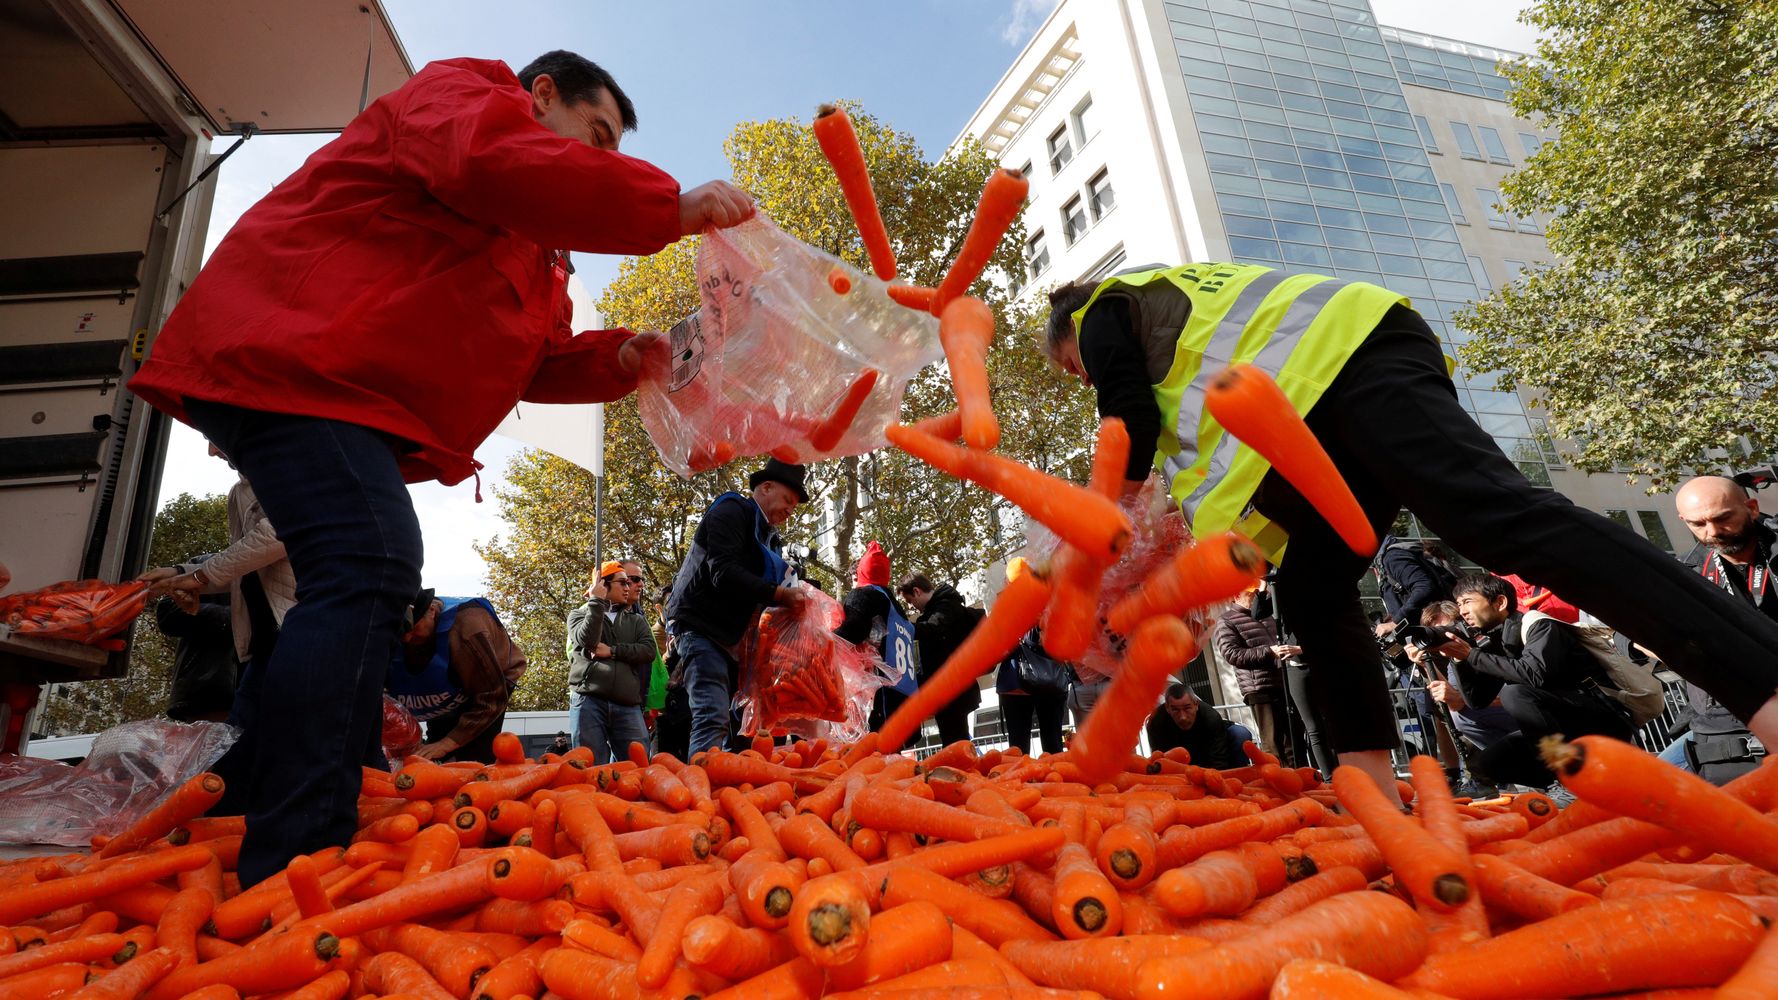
(108, 113)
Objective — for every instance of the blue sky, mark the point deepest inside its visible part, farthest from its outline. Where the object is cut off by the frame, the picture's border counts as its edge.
(696, 68)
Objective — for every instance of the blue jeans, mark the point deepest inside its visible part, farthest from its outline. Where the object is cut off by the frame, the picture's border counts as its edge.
(709, 684)
(313, 715)
(1675, 752)
(605, 726)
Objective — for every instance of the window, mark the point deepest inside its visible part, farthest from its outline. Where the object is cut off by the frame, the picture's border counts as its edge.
(1654, 529)
(1622, 517)
(1529, 224)
(1074, 221)
(1532, 143)
(1466, 146)
(1100, 195)
(1480, 274)
(1426, 134)
(1085, 122)
(1453, 204)
(1025, 170)
(1037, 253)
(1491, 143)
(1496, 217)
(1107, 267)
(1513, 268)
(1060, 150)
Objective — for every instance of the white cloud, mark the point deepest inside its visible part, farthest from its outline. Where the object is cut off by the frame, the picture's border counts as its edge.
(1484, 22)
(1024, 18)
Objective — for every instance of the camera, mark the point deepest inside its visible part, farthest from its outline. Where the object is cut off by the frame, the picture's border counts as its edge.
(1431, 636)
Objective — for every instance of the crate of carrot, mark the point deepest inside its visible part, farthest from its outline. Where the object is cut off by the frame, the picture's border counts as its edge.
(815, 869)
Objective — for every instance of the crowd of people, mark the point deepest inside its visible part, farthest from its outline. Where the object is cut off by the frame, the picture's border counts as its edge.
(371, 320)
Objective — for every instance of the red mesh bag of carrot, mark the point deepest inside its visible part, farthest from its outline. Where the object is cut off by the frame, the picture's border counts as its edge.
(91, 612)
(792, 353)
(800, 678)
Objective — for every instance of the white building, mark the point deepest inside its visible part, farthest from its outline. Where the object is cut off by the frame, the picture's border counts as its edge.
(1295, 133)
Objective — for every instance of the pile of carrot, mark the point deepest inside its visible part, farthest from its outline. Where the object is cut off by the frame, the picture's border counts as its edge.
(806, 870)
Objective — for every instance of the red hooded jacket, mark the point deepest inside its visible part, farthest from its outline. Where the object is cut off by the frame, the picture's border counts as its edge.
(407, 278)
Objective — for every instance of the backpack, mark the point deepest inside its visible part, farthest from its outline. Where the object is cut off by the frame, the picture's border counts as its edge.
(1442, 577)
(1632, 684)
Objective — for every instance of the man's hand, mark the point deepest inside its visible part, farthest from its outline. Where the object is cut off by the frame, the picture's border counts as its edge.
(1384, 628)
(1414, 653)
(717, 203)
(791, 597)
(435, 751)
(642, 350)
(1285, 651)
(1456, 648)
(1447, 694)
(601, 652)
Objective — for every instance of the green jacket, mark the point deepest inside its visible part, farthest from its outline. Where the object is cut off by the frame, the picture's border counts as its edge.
(621, 678)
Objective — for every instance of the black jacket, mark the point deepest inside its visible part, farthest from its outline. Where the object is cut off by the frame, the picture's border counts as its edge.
(1207, 740)
(1547, 655)
(721, 588)
(1245, 643)
(1415, 584)
(942, 626)
(1709, 716)
(205, 669)
(867, 609)
(621, 678)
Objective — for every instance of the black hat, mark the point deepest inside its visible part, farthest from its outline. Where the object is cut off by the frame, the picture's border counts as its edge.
(782, 472)
(417, 610)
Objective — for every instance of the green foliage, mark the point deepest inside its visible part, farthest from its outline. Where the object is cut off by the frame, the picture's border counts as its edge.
(185, 527)
(925, 521)
(1653, 334)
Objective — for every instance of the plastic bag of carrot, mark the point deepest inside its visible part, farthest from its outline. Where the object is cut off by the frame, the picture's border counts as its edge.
(84, 611)
(815, 869)
(799, 678)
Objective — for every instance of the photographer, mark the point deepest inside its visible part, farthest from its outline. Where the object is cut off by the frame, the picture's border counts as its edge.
(1543, 675)
(1481, 725)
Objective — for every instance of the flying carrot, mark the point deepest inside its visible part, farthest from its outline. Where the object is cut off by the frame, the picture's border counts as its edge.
(839, 143)
(1003, 196)
(829, 432)
(914, 296)
(966, 330)
(1015, 611)
(839, 280)
(1214, 569)
(1156, 648)
(1084, 519)
(1248, 404)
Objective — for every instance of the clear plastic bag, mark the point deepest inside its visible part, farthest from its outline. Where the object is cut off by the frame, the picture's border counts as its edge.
(1158, 533)
(401, 731)
(128, 771)
(768, 363)
(801, 679)
(83, 611)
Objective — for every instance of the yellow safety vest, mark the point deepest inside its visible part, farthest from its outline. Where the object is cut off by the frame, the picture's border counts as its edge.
(1300, 328)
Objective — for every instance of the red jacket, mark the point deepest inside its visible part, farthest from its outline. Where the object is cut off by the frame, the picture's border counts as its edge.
(404, 278)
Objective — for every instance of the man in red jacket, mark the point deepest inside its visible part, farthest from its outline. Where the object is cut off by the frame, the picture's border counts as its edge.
(367, 324)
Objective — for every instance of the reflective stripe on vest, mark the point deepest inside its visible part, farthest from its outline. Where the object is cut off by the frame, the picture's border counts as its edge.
(1243, 313)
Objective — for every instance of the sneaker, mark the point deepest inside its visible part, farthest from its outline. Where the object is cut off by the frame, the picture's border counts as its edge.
(1560, 795)
(1474, 789)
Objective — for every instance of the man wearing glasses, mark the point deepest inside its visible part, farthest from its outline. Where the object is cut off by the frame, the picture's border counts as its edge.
(610, 653)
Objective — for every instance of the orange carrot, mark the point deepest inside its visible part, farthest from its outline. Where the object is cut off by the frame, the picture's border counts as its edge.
(719, 945)
(994, 920)
(1300, 895)
(830, 920)
(1084, 903)
(1755, 978)
(1369, 931)
(1156, 648)
(51, 980)
(1014, 612)
(947, 426)
(394, 973)
(1514, 890)
(26, 901)
(884, 808)
(332, 986)
(423, 779)
(131, 979)
(1438, 812)
(86, 949)
(185, 914)
(1103, 965)
(1071, 622)
(1214, 569)
(1249, 405)
(1431, 870)
(185, 802)
(839, 143)
(1003, 196)
(797, 979)
(966, 330)
(282, 962)
(433, 849)
(454, 962)
(1219, 884)
(839, 280)
(902, 939)
(828, 433)
(485, 794)
(691, 899)
(1687, 939)
(1086, 520)
(1308, 979)
(1630, 782)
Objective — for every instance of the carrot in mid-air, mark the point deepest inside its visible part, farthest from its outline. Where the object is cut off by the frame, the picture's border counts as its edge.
(1214, 569)
(839, 143)
(1003, 196)
(1015, 611)
(1071, 622)
(1157, 647)
(914, 296)
(829, 431)
(966, 331)
(1248, 404)
(1084, 519)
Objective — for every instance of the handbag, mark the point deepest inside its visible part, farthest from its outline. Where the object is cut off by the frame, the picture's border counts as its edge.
(1039, 672)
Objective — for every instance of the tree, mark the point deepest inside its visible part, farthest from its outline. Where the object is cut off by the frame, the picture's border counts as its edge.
(1652, 335)
(185, 527)
(924, 520)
